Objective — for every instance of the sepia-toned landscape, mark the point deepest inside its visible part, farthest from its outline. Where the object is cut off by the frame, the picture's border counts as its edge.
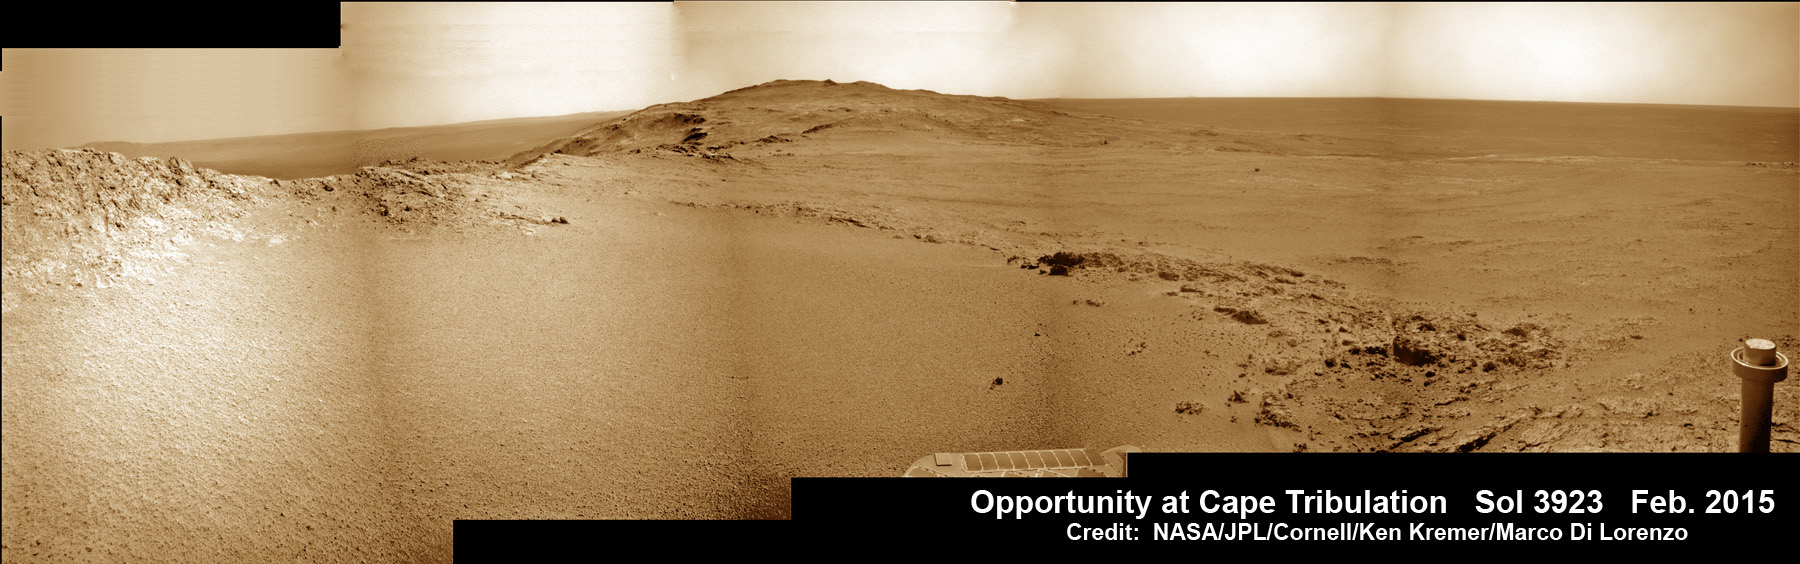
(668, 313)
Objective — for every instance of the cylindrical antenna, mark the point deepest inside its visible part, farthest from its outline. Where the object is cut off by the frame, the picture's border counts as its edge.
(1759, 366)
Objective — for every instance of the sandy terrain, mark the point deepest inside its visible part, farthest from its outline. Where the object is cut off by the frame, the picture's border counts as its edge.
(670, 313)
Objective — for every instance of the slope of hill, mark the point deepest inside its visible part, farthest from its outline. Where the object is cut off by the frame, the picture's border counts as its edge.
(306, 155)
(84, 217)
(80, 216)
(757, 120)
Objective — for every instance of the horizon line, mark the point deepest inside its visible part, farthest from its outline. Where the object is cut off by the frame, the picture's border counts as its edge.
(633, 110)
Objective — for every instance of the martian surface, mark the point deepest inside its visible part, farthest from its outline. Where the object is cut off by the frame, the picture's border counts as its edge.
(241, 351)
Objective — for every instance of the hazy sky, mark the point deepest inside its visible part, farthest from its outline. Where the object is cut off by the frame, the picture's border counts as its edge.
(418, 64)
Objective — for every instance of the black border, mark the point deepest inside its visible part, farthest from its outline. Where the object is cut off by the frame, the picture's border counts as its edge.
(69, 25)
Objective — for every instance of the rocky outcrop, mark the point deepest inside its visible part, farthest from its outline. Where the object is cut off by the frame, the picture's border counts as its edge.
(79, 216)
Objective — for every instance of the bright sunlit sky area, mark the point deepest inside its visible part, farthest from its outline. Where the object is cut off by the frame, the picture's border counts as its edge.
(422, 64)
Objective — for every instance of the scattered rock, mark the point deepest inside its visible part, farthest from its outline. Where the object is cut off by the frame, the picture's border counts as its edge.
(1474, 439)
(1414, 351)
(1408, 434)
(1275, 414)
(1282, 366)
(1246, 316)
